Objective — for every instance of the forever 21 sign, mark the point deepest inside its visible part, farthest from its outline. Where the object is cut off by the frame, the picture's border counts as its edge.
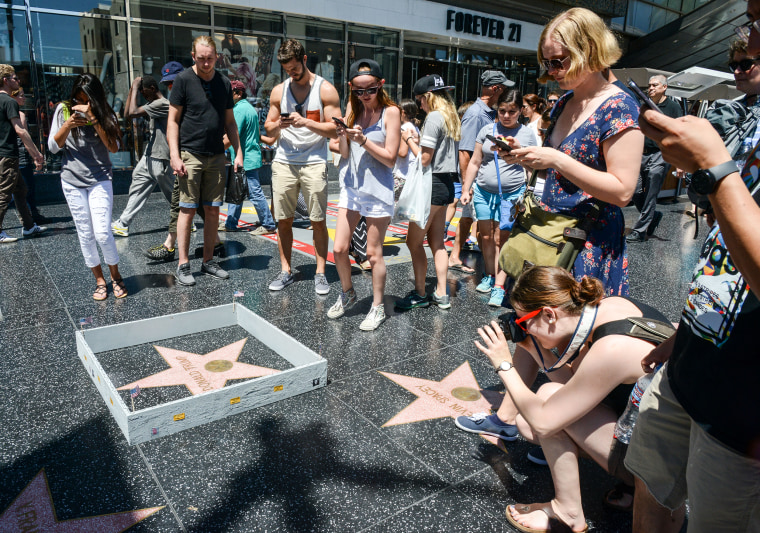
(479, 25)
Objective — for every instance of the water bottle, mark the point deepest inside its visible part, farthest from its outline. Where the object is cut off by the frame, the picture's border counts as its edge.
(743, 153)
(627, 420)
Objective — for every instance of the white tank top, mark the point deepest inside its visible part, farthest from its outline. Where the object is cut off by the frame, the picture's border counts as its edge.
(300, 146)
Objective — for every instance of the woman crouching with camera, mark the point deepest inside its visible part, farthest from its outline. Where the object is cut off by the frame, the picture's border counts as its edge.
(584, 343)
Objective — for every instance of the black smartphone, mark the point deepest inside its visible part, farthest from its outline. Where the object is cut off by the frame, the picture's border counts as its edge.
(340, 121)
(284, 115)
(500, 143)
(643, 96)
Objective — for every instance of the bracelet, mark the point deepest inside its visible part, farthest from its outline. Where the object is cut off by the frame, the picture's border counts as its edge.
(407, 140)
(365, 141)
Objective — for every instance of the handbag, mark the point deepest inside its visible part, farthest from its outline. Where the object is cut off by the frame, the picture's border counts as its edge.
(541, 238)
(414, 201)
(237, 186)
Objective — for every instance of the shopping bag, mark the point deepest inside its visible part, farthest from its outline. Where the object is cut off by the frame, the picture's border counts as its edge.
(414, 201)
(237, 187)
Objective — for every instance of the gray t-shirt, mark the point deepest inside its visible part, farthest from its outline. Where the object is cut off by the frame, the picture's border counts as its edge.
(158, 111)
(435, 136)
(512, 176)
(474, 119)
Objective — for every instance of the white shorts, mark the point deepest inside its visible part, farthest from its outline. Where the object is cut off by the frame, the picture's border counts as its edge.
(366, 205)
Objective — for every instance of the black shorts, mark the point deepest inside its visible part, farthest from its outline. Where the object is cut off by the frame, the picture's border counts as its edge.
(443, 188)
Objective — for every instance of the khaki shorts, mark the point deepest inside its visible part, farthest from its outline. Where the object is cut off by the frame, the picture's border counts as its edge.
(288, 180)
(204, 182)
(676, 459)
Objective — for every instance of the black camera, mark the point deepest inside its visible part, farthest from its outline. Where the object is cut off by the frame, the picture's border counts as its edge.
(511, 330)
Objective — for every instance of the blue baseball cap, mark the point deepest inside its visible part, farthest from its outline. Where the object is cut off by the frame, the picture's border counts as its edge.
(170, 71)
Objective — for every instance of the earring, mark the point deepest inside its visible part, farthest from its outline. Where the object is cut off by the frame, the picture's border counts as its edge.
(552, 321)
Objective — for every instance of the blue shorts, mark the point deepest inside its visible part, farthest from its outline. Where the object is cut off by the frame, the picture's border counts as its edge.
(457, 190)
(490, 206)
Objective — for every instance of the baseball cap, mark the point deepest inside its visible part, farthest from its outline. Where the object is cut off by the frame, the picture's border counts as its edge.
(495, 77)
(170, 71)
(237, 85)
(429, 83)
(374, 69)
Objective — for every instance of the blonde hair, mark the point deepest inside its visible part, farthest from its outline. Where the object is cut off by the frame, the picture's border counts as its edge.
(204, 40)
(441, 102)
(6, 71)
(590, 43)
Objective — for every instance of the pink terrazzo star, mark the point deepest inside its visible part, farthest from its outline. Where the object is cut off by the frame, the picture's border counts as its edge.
(201, 372)
(458, 394)
(33, 510)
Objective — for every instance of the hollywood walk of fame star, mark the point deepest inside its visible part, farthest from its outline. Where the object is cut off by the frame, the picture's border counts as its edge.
(202, 372)
(458, 394)
(33, 510)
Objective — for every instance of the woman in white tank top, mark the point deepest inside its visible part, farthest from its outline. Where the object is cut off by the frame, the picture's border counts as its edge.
(369, 142)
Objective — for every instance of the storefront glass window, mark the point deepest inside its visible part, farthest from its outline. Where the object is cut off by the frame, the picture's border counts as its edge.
(426, 51)
(170, 11)
(154, 45)
(246, 21)
(388, 61)
(323, 42)
(102, 7)
(376, 36)
(14, 51)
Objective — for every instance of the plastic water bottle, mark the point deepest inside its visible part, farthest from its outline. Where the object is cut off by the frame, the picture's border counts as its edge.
(627, 420)
(743, 153)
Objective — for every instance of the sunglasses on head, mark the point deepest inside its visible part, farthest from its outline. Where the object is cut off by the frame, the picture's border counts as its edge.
(556, 64)
(369, 92)
(744, 65)
(743, 31)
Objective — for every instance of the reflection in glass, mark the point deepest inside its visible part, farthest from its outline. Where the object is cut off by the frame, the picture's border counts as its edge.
(246, 21)
(164, 11)
(114, 7)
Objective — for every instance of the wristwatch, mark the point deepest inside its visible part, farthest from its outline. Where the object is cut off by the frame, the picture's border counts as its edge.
(505, 365)
(704, 181)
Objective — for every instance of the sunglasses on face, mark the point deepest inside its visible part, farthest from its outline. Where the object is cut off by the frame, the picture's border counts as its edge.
(743, 31)
(14, 78)
(525, 318)
(553, 100)
(369, 91)
(556, 64)
(744, 65)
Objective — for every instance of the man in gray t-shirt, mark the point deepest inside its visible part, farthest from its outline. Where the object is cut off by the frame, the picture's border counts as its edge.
(153, 167)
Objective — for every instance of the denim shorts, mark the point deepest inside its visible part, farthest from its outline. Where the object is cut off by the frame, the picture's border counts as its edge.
(490, 206)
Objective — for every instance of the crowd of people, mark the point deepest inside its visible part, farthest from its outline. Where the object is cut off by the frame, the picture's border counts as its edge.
(591, 149)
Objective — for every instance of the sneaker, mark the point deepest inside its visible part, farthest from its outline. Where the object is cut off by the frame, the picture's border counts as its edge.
(486, 284)
(183, 275)
(193, 229)
(345, 300)
(320, 284)
(282, 280)
(261, 230)
(655, 222)
(375, 317)
(485, 424)
(636, 236)
(413, 300)
(536, 455)
(212, 269)
(443, 302)
(5, 238)
(497, 297)
(118, 229)
(160, 253)
(34, 231)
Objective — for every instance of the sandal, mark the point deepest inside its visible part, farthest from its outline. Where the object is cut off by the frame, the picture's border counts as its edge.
(613, 497)
(101, 292)
(555, 522)
(119, 284)
(461, 267)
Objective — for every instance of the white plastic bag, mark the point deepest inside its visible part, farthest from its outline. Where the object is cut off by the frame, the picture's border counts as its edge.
(414, 201)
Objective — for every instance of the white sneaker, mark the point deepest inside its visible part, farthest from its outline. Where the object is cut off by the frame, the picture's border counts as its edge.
(5, 238)
(118, 229)
(34, 231)
(375, 317)
(345, 300)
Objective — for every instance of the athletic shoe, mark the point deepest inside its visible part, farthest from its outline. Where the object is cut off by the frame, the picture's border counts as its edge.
(183, 275)
(118, 229)
(536, 455)
(486, 284)
(485, 424)
(160, 253)
(655, 222)
(5, 238)
(443, 302)
(282, 280)
(413, 300)
(321, 286)
(212, 269)
(34, 231)
(345, 300)
(375, 317)
(193, 229)
(261, 230)
(497, 297)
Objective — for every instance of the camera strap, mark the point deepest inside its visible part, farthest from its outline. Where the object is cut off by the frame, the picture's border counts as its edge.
(580, 336)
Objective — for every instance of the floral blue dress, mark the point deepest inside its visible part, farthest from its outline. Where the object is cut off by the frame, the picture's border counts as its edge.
(604, 256)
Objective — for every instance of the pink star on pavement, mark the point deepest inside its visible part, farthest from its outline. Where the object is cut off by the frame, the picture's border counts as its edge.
(458, 394)
(33, 510)
(201, 372)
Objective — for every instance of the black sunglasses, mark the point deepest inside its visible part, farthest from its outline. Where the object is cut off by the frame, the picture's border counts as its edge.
(744, 65)
(553, 100)
(299, 109)
(369, 92)
(556, 64)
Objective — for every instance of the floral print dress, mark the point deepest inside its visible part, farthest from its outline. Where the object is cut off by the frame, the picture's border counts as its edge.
(604, 256)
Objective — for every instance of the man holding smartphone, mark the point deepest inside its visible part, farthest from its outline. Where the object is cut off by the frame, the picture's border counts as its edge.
(300, 113)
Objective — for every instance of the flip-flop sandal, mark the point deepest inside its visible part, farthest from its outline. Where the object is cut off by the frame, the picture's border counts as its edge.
(461, 267)
(555, 523)
(620, 491)
(119, 284)
(101, 292)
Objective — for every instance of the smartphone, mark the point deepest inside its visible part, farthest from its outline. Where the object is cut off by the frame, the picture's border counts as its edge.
(500, 143)
(643, 96)
(340, 121)
(80, 114)
(284, 115)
